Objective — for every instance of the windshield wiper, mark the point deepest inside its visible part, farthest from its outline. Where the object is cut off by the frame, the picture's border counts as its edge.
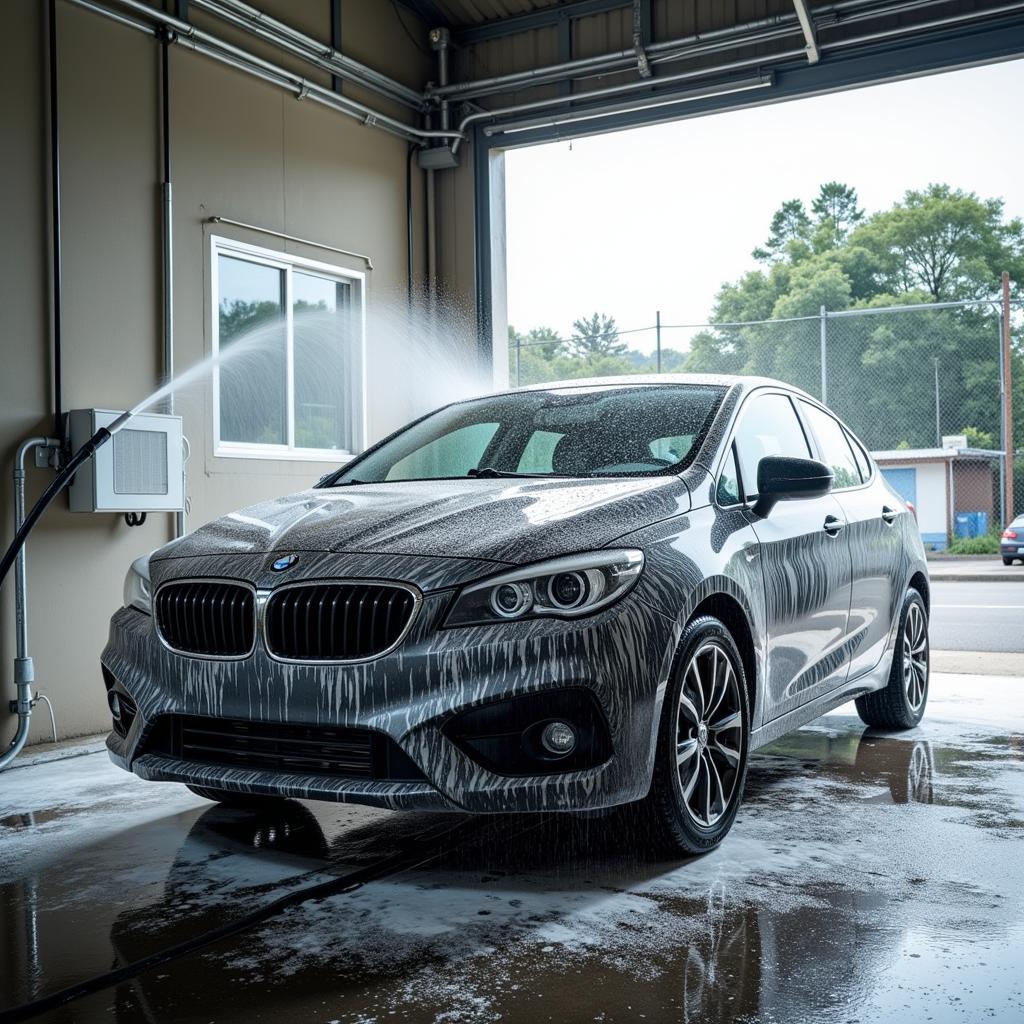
(490, 473)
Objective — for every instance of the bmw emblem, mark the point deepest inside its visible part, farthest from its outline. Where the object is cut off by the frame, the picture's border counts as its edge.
(285, 562)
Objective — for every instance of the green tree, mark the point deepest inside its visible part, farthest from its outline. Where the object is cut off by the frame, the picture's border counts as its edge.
(945, 242)
(595, 335)
(788, 235)
(837, 213)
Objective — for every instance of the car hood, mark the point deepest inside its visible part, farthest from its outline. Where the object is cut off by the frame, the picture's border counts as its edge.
(503, 520)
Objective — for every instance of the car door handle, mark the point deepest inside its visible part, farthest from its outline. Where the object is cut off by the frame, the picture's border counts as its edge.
(889, 514)
(833, 525)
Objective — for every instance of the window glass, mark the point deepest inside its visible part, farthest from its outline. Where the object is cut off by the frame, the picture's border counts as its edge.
(835, 449)
(253, 395)
(539, 451)
(594, 430)
(452, 454)
(294, 381)
(728, 492)
(671, 449)
(768, 426)
(323, 372)
(863, 463)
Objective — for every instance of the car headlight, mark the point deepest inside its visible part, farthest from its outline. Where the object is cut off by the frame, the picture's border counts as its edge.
(564, 588)
(138, 591)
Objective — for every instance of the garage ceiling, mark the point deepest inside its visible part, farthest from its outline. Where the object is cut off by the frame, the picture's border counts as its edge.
(535, 66)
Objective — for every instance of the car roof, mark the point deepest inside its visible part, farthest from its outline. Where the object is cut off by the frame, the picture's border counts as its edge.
(727, 380)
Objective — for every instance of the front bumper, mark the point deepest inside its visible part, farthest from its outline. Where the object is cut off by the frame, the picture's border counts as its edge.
(619, 655)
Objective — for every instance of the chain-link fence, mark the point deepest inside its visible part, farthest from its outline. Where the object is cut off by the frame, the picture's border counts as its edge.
(901, 377)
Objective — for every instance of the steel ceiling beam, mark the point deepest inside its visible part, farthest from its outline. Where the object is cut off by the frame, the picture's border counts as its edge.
(429, 12)
(807, 24)
(470, 35)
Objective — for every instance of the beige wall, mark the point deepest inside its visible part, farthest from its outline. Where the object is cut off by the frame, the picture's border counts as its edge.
(242, 149)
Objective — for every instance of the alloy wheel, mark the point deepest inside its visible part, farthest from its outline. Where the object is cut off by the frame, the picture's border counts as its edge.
(915, 656)
(709, 733)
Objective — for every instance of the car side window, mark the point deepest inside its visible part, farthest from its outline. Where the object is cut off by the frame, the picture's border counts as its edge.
(768, 426)
(863, 462)
(836, 452)
(728, 490)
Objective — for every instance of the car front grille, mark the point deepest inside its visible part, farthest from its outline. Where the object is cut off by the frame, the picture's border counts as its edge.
(281, 748)
(336, 621)
(206, 617)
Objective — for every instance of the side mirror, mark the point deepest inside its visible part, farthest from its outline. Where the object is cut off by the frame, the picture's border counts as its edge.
(783, 479)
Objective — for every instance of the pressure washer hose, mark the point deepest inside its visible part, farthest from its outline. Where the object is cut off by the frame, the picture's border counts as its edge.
(60, 481)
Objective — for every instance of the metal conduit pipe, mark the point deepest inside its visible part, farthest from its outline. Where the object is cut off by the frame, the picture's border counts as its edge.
(24, 671)
(760, 61)
(307, 48)
(617, 90)
(759, 30)
(749, 33)
(234, 56)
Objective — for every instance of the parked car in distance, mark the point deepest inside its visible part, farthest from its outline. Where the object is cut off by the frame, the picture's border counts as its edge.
(562, 598)
(1011, 541)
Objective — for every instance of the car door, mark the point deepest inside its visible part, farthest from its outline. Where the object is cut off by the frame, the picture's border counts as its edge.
(874, 534)
(805, 564)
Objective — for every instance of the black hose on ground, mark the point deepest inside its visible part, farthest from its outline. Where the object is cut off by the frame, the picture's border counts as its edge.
(60, 481)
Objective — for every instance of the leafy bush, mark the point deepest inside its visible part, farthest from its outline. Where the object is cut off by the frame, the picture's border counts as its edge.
(985, 545)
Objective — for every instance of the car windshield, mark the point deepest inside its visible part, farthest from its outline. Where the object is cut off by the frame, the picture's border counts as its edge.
(591, 431)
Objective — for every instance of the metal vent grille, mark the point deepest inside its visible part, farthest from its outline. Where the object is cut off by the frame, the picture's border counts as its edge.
(337, 621)
(210, 618)
(281, 748)
(140, 461)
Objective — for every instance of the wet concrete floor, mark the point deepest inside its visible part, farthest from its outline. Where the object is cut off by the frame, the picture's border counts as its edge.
(868, 878)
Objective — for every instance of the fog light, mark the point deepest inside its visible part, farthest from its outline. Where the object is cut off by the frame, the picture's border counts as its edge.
(558, 738)
(115, 705)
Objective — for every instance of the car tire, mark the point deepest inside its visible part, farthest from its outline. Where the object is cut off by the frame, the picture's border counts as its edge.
(232, 799)
(703, 739)
(901, 702)
(1007, 561)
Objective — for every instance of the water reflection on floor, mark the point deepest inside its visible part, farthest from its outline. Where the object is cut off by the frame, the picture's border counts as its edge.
(868, 877)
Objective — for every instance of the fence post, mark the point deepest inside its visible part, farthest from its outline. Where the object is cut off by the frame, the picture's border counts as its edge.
(657, 336)
(519, 342)
(824, 357)
(938, 428)
(1007, 360)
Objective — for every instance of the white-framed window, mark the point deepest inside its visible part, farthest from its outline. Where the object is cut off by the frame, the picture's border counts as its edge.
(290, 337)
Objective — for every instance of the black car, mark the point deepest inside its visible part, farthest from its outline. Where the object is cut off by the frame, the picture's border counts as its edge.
(560, 598)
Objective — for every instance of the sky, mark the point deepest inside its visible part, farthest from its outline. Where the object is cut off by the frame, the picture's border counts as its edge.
(658, 218)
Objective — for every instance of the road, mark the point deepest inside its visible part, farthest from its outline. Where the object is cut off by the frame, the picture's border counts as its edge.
(977, 617)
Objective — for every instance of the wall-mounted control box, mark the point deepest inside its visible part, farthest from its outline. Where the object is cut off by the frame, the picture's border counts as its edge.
(138, 470)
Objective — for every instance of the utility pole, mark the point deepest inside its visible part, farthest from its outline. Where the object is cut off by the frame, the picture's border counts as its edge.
(1008, 399)
(657, 336)
(938, 429)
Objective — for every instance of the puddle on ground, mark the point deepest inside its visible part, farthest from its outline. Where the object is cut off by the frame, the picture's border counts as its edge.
(867, 877)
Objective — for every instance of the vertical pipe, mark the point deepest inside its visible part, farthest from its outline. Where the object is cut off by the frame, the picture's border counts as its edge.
(336, 38)
(1008, 447)
(408, 219)
(657, 336)
(167, 241)
(55, 223)
(824, 356)
(938, 429)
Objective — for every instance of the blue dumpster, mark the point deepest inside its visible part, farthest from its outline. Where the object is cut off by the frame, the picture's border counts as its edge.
(971, 524)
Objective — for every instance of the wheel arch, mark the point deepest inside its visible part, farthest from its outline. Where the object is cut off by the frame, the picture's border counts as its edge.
(731, 613)
(919, 582)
